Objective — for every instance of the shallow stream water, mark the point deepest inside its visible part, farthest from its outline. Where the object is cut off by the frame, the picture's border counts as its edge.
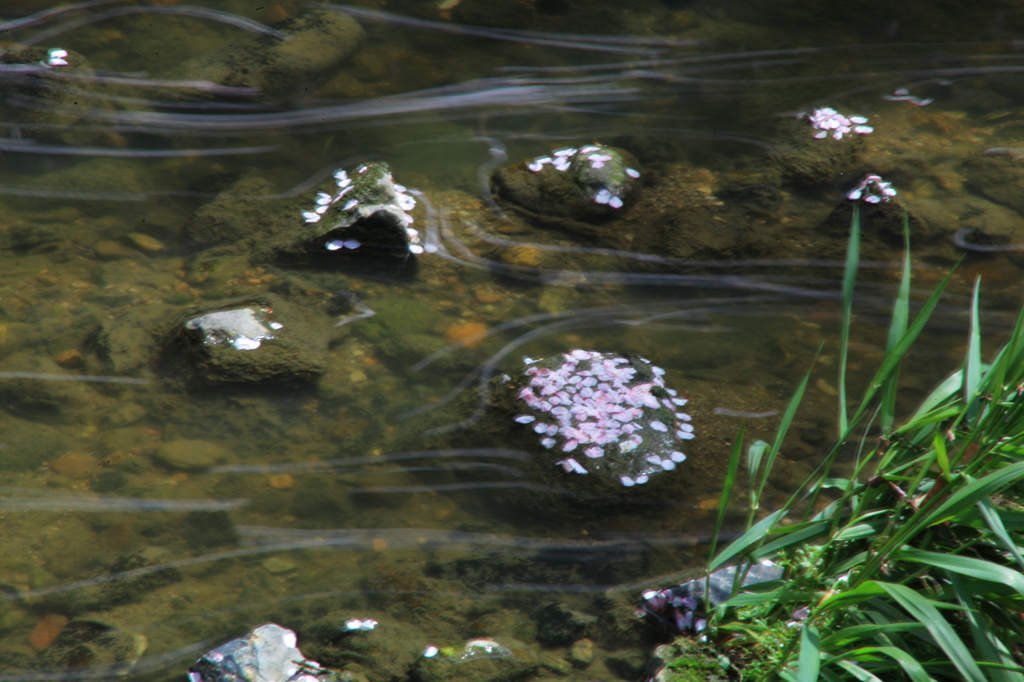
(176, 514)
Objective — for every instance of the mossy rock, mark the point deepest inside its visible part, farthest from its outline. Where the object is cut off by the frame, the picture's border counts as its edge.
(686, 660)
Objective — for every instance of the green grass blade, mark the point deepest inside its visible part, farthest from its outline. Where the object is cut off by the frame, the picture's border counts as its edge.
(809, 659)
(851, 563)
(849, 635)
(960, 504)
(911, 666)
(1009, 356)
(915, 671)
(849, 280)
(776, 596)
(897, 328)
(753, 536)
(945, 637)
(964, 565)
(990, 647)
(941, 455)
(727, 489)
(893, 357)
(1011, 520)
(972, 364)
(858, 672)
(862, 593)
(966, 497)
(855, 532)
(754, 454)
(941, 393)
(798, 536)
(780, 435)
(994, 520)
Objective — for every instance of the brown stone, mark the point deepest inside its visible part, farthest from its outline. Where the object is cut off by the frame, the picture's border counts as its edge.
(582, 653)
(47, 630)
(108, 250)
(145, 242)
(463, 331)
(75, 465)
(191, 455)
(282, 482)
(486, 296)
(69, 358)
(525, 256)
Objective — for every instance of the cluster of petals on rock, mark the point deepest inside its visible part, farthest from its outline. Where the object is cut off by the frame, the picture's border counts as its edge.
(827, 121)
(597, 405)
(595, 157)
(872, 189)
(402, 201)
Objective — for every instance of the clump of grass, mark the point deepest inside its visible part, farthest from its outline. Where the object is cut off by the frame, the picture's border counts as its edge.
(911, 571)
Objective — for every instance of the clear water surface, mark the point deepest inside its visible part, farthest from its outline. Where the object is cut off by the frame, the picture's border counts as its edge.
(177, 515)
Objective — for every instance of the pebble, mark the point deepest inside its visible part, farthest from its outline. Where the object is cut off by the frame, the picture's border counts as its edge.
(145, 242)
(75, 465)
(190, 455)
(708, 504)
(488, 296)
(461, 331)
(108, 250)
(69, 358)
(555, 664)
(275, 14)
(282, 482)
(826, 388)
(525, 256)
(582, 653)
(47, 630)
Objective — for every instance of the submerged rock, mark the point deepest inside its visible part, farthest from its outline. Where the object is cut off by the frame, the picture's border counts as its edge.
(808, 161)
(358, 220)
(265, 339)
(240, 211)
(24, 394)
(94, 643)
(478, 660)
(881, 228)
(138, 575)
(681, 607)
(267, 654)
(604, 414)
(589, 184)
(366, 211)
(386, 651)
(559, 625)
(243, 328)
(36, 92)
(317, 42)
(190, 455)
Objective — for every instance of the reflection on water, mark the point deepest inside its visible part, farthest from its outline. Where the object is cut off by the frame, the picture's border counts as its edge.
(157, 155)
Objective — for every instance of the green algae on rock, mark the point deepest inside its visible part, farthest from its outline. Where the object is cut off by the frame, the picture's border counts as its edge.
(367, 209)
(588, 185)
